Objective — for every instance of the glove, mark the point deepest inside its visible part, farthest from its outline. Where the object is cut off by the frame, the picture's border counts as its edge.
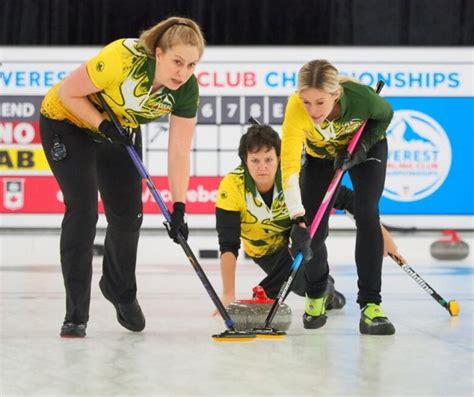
(113, 135)
(300, 242)
(345, 161)
(178, 223)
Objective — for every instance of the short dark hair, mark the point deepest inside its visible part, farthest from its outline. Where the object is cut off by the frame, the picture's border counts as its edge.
(259, 137)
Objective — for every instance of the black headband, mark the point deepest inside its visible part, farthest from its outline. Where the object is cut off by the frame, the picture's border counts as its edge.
(180, 23)
(175, 24)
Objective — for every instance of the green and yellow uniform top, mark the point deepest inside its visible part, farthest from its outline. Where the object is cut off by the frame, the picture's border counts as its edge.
(124, 72)
(358, 102)
(241, 213)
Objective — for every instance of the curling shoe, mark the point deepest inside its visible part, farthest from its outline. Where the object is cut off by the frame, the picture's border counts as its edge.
(72, 330)
(129, 315)
(314, 312)
(374, 322)
(336, 301)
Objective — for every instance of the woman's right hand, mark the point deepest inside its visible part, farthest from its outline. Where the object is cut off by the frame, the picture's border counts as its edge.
(226, 299)
(389, 246)
(300, 241)
(113, 135)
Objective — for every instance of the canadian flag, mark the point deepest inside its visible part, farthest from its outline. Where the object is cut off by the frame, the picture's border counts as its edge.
(13, 193)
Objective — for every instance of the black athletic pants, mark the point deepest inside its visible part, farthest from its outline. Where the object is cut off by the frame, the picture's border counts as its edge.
(277, 266)
(90, 167)
(368, 180)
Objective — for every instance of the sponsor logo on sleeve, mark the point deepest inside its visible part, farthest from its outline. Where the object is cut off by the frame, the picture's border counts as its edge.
(99, 66)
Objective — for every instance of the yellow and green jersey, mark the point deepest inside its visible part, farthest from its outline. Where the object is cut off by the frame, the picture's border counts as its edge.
(263, 230)
(358, 102)
(124, 72)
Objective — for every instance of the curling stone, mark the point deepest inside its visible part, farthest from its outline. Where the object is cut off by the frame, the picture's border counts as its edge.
(252, 313)
(451, 248)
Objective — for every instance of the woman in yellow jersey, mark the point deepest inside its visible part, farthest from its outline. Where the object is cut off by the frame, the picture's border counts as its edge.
(251, 208)
(141, 80)
(322, 116)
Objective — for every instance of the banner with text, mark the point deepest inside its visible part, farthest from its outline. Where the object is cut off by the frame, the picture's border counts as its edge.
(431, 91)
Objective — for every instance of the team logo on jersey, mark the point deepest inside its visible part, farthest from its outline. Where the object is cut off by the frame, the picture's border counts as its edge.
(13, 193)
(339, 131)
(326, 130)
(165, 102)
(419, 157)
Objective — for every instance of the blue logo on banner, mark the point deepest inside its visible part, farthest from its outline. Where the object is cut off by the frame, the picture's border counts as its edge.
(419, 157)
(429, 161)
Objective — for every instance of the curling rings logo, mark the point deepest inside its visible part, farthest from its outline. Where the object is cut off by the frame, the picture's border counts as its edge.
(419, 157)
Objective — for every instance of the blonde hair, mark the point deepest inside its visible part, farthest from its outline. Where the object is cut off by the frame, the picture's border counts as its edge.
(170, 32)
(321, 74)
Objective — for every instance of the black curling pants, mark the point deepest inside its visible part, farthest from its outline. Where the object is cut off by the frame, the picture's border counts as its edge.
(91, 167)
(368, 180)
(277, 267)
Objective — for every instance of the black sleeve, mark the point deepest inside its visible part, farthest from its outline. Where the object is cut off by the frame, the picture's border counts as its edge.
(228, 231)
(345, 200)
